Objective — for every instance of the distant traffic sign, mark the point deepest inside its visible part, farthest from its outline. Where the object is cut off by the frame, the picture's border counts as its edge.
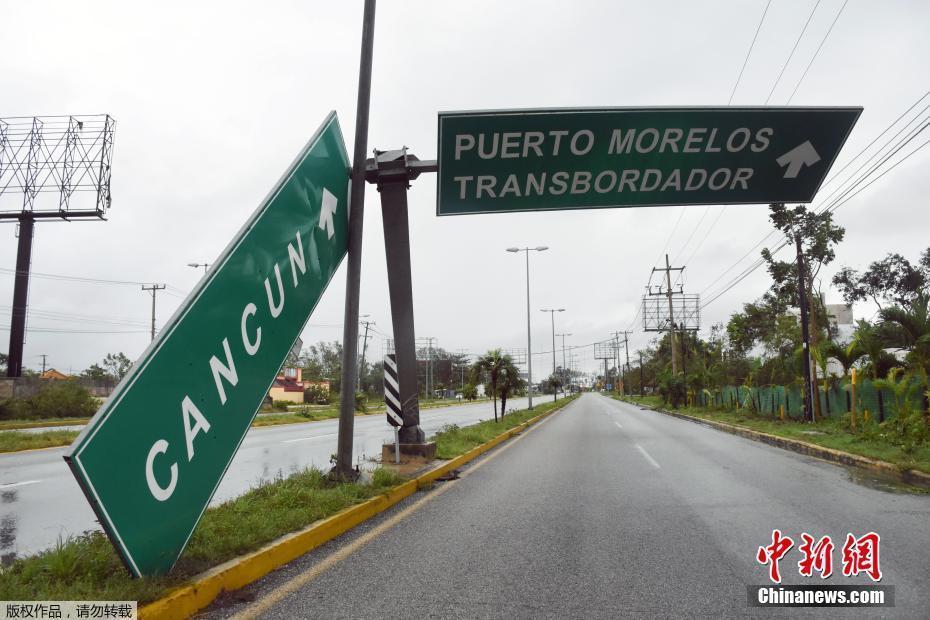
(152, 457)
(535, 160)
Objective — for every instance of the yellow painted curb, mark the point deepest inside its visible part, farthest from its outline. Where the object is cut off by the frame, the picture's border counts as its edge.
(239, 572)
(910, 476)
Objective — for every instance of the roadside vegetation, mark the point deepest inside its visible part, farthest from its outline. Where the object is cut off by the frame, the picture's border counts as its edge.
(886, 442)
(452, 440)
(87, 568)
(15, 441)
(748, 371)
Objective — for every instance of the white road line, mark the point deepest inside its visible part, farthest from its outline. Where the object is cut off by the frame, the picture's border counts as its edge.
(618, 425)
(308, 438)
(19, 484)
(651, 460)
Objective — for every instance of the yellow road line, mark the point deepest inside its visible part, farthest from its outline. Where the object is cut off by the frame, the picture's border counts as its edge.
(267, 601)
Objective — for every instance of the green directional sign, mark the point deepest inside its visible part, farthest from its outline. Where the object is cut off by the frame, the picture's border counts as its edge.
(537, 160)
(152, 457)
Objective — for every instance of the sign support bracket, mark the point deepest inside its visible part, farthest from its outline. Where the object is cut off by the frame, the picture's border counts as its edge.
(392, 172)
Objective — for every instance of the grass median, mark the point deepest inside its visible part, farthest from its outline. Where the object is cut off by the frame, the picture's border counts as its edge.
(452, 440)
(873, 440)
(87, 568)
(16, 441)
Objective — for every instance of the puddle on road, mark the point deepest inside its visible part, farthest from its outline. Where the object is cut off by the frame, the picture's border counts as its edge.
(883, 482)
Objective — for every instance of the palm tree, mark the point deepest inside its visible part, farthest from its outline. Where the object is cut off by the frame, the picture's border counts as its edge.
(847, 356)
(490, 364)
(910, 327)
(872, 340)
(509, 381)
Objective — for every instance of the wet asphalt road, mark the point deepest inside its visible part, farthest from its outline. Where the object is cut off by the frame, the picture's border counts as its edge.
(40, 500)
(605, 510)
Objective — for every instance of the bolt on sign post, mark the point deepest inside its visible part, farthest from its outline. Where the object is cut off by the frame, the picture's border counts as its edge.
(152, 457)
(536, 160)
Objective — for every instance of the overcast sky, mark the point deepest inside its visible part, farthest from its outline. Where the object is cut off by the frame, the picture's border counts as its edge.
(214, 99)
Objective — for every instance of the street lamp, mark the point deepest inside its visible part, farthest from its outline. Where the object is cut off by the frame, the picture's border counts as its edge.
(552, 311)
(564, 367)
(529, 344)
(198, 265)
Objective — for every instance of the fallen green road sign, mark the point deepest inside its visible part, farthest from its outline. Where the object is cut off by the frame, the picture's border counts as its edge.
(153, 456)
(537, 160)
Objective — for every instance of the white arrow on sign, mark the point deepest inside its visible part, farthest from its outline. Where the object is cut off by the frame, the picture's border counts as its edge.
(798, 157)
(327, 210)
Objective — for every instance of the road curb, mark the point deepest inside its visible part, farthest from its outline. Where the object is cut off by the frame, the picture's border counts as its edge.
(239, 572)
(908, 476)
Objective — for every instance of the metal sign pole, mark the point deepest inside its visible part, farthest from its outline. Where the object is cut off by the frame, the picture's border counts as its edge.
(14, 367)
(343, 466)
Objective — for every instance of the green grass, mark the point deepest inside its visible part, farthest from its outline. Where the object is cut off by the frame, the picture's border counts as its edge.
(11, 441)
(87, 568)
(871, 441)
(44, 422)
(452, 440)
(14, 441)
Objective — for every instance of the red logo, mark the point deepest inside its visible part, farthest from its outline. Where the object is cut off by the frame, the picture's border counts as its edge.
(817, 557)
(773, 553)
(860, 555)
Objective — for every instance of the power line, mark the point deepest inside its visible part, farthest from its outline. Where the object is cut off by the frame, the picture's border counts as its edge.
(832, 178)
(791, 55)
(832, 207)
(814, 57)
(707, 234)
(751, 45)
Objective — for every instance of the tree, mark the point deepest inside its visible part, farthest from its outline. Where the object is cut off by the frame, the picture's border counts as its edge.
(323, 361)
(871, 341)
(117, 365)
(3, 362)
(892, 280)
(817, 235)
(491, 364)
(509, 382)
(96, 372)
(847, 355)
(910, 328)
(469, 392)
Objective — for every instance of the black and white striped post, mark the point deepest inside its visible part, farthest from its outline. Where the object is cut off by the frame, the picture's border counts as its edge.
(392, 401)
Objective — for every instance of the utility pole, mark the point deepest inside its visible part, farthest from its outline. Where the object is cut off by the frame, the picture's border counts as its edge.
(361, 366)
(552, 311)
(154, 288)
(626, 340)
(668, 269)
(805, 333)
(428, 373)
(563, 352)
(642, 379)
(43, 362)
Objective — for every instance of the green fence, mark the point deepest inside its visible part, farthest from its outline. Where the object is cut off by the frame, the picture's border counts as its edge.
(834, 401)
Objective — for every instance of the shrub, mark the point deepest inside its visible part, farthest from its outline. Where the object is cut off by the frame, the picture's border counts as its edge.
(672, 389)
(361, 402)
(58, 399)
(282, 405)
(316, 395)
